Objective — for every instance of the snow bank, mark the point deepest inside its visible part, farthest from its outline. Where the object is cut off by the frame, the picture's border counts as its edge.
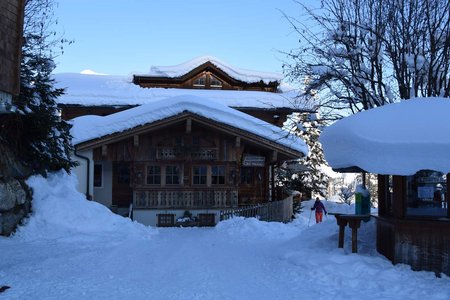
(240, 228)
(236, 73)
(59, 210)
(238, 259)
(398, 139)
(90, 127)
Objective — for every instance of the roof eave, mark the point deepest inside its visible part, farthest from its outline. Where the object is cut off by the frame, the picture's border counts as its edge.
(249, 136)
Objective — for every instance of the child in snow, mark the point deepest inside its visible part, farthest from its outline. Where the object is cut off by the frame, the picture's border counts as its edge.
(319, 208)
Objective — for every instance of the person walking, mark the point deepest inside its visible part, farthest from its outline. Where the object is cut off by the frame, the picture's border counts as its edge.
(320, 209)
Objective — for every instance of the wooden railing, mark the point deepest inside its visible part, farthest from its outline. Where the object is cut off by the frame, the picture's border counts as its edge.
(279, 211)
(217, 198)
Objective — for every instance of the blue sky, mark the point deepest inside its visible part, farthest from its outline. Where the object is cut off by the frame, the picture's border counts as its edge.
(121, 37)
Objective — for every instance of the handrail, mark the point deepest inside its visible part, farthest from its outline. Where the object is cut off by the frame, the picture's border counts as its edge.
(130, 211)
(280, 211)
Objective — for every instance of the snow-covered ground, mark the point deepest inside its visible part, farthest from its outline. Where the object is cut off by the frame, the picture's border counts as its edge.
(74, 249)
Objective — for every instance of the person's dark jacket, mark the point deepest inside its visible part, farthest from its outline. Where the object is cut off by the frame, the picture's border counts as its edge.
(319, 207)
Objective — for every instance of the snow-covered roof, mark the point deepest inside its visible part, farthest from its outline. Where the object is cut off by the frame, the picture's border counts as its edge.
(397, 139)
(86, 128)
(97, 90)
(248, 76)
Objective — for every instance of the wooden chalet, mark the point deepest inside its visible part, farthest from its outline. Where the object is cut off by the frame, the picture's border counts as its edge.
(180, 156)
(207, 74)
(413, 167)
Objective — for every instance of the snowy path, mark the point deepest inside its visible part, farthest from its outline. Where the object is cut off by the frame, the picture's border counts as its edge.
(177, 264)
(242, 259)
(71, 248)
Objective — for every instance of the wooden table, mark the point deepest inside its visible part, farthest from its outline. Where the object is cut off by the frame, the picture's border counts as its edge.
(354, 222)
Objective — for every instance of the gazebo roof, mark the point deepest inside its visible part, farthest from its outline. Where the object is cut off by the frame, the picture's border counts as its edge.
(396, 139)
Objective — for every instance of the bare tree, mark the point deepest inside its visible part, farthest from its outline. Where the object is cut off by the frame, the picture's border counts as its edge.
(418, 45)
(361, 54)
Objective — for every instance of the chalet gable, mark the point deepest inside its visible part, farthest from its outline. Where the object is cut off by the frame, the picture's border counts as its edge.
(93, 131)
(187, 119)
(208, 73)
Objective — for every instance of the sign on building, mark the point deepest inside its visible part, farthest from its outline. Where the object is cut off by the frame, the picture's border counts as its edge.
(253, 160)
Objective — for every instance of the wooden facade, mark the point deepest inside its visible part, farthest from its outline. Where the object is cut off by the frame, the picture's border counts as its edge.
(11, 25)
(189, 162)
(422, 241)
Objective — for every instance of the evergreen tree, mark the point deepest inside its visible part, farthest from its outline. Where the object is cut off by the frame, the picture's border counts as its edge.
(44, 141)
(313, 180)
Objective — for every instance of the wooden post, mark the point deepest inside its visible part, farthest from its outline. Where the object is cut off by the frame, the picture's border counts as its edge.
(399, 196)
(272, 182)
(274, 156)
(238, 142)
(383, 190)
(447, 198)
(136, 140)
(188, 125)
(354, 225)
(342, 223)
(354, 240)
(104, 150)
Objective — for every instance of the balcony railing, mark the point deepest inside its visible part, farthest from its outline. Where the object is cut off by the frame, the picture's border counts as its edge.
(217, 198)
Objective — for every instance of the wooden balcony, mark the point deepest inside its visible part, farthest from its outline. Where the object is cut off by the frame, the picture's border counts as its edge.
(184, 199)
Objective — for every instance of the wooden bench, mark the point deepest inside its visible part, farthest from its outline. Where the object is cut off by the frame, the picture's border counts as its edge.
(354, 222)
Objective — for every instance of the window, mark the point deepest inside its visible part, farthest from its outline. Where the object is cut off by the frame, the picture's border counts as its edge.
(207, 219)
(195, 141)
(215, 83)
(200, 82)
(123, 174)
(178, 141)
(98, 175)
(218, 175)
(172, 175)
(166, 220)
(199, 175)
(426, 194)
(153, 175)
(246, 175)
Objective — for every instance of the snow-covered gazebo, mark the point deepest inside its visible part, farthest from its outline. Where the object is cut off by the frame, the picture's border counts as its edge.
(408, 146)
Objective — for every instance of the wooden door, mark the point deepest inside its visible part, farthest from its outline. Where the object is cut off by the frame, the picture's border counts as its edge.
(122, 193)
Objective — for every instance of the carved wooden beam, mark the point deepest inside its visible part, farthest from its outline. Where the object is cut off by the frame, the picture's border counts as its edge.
(274, 155)
(188, 125)
(104, 150)
(238, 142)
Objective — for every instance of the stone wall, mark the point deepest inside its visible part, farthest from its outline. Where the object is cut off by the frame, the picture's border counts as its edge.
(15, 196)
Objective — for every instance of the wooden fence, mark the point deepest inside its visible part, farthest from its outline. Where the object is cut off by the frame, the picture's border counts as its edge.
(278, 211)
